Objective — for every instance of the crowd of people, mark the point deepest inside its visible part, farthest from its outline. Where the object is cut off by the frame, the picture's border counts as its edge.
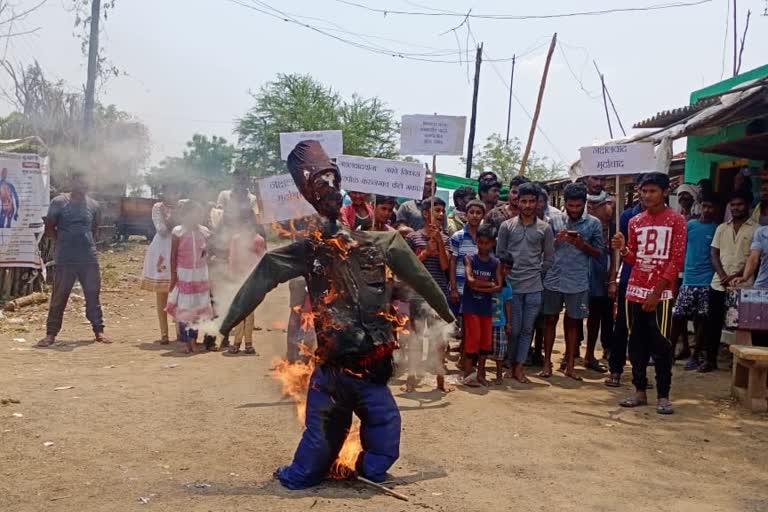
(509, 270)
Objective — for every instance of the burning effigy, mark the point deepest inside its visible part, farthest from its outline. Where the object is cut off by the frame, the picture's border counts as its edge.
(349, 279)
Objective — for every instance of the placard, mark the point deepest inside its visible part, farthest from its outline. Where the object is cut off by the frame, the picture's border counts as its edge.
(331, 140)
(615, 159)
(24, 199)
(432, 135)
(382, 176)
(281, 200)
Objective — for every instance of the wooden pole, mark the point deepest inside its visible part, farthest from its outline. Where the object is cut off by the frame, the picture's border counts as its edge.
(605, 105)
(385, 490)
(473, 119)
(509, 107)
(536, 113)
(735, 39)
(93, 66)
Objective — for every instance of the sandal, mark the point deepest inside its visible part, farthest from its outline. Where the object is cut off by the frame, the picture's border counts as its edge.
(45, 342)
(664, 407)
(596, 366)
(633, 401)
(164, 340)
(613, 381)
(233, 349)
(249, 349)
(523, 380)
(573, 376)
(471, 380)
(546, 372)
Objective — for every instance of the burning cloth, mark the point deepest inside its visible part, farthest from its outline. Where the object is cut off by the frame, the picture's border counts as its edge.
(349, 278)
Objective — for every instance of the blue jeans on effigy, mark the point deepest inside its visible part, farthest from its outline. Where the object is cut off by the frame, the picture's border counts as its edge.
(332, 398)
(525, 309)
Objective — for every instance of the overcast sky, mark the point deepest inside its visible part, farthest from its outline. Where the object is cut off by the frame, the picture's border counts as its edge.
(191, 63)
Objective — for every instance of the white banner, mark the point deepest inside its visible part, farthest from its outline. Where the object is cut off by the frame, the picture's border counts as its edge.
(24, 199)
(331, 140)
(614, 159)
(281, 200)
(381, 176)
(432, 135)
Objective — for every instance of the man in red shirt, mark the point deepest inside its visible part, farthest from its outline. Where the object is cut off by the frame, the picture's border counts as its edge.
(656, 250)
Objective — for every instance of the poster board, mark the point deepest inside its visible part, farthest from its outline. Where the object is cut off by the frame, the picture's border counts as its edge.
(24, 199)
(331, 140)
(382, 176)
(618, 159)
(281, 200)
(432, 135)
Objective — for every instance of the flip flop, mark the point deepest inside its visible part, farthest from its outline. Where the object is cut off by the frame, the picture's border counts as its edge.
(613, 382)
(573, 376)
(632, 401)
(233, 349)
(664, 408)
(596, 366)
(43, 343)
(249, 349)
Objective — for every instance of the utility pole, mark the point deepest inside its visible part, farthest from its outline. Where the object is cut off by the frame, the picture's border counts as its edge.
(605, 102)
(536, 113)
(473, 119)
(509, 107)
(735, 39)
(93, 64)
(607, 93)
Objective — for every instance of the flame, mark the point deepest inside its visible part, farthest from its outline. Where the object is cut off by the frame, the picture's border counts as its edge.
(399, 321)
(340, 245)
(294, 378)
(307, 321)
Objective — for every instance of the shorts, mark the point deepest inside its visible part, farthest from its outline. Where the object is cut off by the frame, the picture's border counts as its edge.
(477, 334)
(692, 301)
(576, 304)
(500, 343)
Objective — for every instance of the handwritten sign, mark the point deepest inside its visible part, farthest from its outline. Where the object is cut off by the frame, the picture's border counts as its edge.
(331, 140)
(24, 199)
(281, 200)
(614, 159)
(432, 135)
(381, 176)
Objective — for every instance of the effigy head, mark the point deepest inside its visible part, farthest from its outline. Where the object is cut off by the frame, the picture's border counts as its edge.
(317, 177)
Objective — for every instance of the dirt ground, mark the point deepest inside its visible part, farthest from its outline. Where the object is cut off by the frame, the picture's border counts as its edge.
(142, 423)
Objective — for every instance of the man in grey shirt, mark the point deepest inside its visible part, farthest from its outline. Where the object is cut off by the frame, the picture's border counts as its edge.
(72, 221)
(409, 216)
(526, 245)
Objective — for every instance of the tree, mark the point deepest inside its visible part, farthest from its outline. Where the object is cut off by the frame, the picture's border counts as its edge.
(300, 103)
(504, 159)
(206, 159)
(114, 155)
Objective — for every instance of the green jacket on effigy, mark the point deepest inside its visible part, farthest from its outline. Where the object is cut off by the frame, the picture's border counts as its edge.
(350, 291)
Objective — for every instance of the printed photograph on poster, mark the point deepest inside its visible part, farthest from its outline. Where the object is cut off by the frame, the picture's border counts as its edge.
(381, 176)
(331, 140)
(281, 200)
(616, 159)
(24, 198)
(432, 135)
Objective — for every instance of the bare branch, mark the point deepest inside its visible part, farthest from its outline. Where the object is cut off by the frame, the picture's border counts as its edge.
(20, 16)
(743, 40)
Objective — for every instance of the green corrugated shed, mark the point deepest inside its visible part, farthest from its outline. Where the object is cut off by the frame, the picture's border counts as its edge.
(699, 165)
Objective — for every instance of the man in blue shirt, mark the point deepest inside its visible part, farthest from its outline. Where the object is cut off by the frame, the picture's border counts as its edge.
(578, 238)
(693, 297)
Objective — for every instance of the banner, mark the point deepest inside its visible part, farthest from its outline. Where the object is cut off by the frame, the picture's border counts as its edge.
(281, 200)
(331, 140)
(432, 135)
(24, 198)
(381, 176)
(615, 159)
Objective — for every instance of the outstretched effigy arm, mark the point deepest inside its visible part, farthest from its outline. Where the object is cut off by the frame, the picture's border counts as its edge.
(406, 266)
(277, 266)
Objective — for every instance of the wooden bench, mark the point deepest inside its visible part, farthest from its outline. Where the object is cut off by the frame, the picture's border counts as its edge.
(749, 383)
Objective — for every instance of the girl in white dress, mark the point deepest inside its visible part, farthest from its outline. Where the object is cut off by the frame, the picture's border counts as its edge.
(157, 262)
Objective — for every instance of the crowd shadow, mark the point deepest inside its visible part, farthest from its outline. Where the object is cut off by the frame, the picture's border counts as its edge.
(66, 346)
(172, 349)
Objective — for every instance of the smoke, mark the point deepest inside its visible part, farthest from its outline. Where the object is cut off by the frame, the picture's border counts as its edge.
(424, 347)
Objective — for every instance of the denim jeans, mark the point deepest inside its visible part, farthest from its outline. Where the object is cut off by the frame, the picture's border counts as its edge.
(525, 309)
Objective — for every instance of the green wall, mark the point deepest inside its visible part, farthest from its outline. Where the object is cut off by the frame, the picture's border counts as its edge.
(700, 165)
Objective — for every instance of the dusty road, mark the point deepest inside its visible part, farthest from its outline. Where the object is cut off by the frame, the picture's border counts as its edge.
(204, 433)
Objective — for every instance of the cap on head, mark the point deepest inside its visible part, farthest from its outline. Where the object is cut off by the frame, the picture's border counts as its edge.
(307, 160)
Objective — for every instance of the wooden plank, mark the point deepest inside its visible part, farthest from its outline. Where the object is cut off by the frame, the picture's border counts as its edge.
(750, 353)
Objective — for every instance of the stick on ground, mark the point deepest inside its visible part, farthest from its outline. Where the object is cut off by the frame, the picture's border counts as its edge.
(385, 490)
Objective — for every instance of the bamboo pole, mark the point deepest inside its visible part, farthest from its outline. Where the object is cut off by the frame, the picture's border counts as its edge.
(536, 113)
(385, 490)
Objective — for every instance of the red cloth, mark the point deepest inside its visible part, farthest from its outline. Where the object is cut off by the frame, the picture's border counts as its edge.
(656, 247)
(348, 214)
(478, 334)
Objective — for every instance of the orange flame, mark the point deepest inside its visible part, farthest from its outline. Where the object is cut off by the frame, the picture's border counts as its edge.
(307, 321)
(294, 378)
(340, 245)
(399, 321)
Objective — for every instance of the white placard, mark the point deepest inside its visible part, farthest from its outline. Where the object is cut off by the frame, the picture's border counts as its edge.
(381, 176)
(614, 159)
(281, 200)
(331, 140)
(24, 199)
(432, 135)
